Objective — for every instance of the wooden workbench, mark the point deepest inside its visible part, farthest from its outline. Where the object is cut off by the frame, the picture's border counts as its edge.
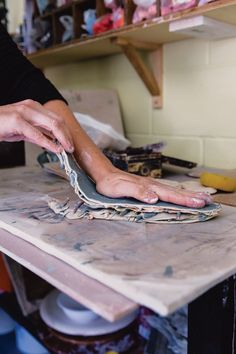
(160, 266)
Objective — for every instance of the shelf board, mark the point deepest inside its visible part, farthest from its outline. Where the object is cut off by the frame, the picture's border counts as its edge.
(153, 31)
(109, 304)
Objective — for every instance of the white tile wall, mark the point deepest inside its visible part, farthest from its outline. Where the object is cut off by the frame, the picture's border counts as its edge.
(189, 148)
(220, 153)
(223, 52)
(198, 119)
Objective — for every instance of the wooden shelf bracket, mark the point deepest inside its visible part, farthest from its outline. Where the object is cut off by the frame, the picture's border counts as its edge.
(151, 78)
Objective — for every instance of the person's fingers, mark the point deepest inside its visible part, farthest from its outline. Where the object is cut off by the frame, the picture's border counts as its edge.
(61, 135)
(38, 116)
(149, 190)
(207, 197)
(56, 119)
(46, 133)
(13, 138)
(151, 193)
(172, 194)
(33, 135)
(180, 197)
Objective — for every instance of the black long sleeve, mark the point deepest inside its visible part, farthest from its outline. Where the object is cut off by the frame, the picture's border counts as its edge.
(19, 79)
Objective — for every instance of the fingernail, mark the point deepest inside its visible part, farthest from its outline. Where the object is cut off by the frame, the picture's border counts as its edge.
(207, 197)
(209, 201)
(151, 198)
(71, 148)
(198, 202)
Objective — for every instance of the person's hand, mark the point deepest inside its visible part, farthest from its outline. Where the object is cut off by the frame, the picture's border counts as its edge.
(117, 184)
(30, 121)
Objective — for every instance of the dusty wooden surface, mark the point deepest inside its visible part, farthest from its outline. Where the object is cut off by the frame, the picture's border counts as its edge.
(93, 294)
(160, 266)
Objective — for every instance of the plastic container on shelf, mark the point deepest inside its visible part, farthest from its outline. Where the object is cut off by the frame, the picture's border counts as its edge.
(75, 310)
(7, 324)
(7, 334)
(170, 6)
(27, 344)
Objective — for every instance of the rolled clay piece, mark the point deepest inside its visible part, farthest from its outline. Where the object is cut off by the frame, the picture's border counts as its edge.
(93, 205)
(196, 186)
(171, 183)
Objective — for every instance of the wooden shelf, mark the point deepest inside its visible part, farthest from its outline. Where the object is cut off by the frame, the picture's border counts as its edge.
(128, 40)
(152, 31)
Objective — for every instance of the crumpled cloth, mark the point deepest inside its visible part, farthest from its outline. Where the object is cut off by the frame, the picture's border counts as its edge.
(92, 205)
(174, 328)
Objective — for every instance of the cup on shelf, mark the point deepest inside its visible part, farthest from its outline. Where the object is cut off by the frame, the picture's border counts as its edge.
(74, 310)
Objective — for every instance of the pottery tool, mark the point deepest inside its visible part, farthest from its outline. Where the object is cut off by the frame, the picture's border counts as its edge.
(219, 182)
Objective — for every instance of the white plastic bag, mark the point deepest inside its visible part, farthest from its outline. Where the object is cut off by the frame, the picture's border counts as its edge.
(103, 135)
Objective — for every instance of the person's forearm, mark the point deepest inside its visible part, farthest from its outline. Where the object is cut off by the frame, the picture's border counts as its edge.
(115, 183)
(88, 155)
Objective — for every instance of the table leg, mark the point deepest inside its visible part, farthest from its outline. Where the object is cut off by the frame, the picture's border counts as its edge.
(211, 321)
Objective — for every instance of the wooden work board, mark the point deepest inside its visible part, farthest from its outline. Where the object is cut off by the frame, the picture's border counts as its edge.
(160, 266)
